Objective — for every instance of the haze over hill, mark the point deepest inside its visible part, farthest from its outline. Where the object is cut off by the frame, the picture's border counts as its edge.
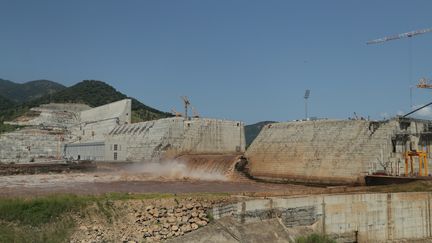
(22, 92)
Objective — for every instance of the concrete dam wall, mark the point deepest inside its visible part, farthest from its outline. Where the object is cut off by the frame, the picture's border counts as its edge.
(173, 137)
(334, 152)
(30, 145)
(374, 217)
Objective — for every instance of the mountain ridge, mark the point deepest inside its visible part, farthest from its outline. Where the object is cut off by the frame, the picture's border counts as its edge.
(24, 92)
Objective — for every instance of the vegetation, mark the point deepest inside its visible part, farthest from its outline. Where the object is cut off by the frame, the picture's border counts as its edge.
(415, 186)
(96, 93)
(39, 219)
(91, 92)
(252, 131)
(48, 219)
(315, 238)
(28, 91)
(5, 112)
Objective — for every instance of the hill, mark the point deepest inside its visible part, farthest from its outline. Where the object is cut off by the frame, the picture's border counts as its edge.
(28, 91)
(5, 103)
(93, 93)
(252, 131)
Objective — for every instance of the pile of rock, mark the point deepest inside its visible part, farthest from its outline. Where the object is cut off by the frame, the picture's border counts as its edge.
(162, 222)
(151, 220)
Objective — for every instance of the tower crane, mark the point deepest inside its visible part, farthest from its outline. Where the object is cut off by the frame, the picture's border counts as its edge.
(399, 36)
(176, 113)
(186, 103)
(195, 113)
(423, 82)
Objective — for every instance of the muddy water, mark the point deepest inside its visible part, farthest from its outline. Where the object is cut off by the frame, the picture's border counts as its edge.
(135, 178)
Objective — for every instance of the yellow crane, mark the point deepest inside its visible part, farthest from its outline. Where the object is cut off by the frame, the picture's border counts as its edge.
(175, 113)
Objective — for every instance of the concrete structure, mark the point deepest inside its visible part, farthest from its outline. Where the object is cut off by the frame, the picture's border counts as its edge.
(31, 145)
(172, 137)
(335, 152)
(54, 131)
(375, 217)
(85, 151)
(96, 123)
(228, 230)
(49, 127)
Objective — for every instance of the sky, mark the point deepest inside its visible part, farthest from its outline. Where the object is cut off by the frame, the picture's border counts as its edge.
(235, 59)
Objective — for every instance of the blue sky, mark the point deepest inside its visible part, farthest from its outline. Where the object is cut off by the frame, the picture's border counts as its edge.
(245, 60)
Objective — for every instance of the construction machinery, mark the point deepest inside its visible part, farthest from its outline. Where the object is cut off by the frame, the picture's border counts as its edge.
(195, 113)
(399, 36)
(186, 103)
(176, 113)
(423, 163)
(424, 83)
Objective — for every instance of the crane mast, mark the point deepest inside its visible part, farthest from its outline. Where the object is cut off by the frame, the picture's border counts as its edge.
(186, 103)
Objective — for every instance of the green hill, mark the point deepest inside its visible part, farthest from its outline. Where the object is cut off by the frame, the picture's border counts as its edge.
(6, 110)
(252, 131)
(93, 93)
(5, 103)
(28, 91)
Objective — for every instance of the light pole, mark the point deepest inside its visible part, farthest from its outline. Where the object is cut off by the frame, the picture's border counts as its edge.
(411, 98)
(306, 97)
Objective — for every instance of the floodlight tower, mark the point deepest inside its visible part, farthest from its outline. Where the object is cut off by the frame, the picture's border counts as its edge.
(306, 97)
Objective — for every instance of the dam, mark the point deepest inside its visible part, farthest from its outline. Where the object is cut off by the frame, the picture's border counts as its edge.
(323, 152)
(54, 132)
(339, 152)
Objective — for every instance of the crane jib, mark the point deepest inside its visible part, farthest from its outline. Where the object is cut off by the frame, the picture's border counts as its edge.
(399, 36)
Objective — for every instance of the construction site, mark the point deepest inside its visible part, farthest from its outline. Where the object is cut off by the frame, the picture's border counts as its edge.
(311, 176)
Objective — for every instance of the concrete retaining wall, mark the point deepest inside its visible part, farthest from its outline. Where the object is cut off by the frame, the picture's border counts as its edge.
(378, 217)
(334, 152)
(30, 145)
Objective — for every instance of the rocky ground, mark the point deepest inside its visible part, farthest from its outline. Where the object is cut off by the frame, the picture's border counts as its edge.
(143, 220)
